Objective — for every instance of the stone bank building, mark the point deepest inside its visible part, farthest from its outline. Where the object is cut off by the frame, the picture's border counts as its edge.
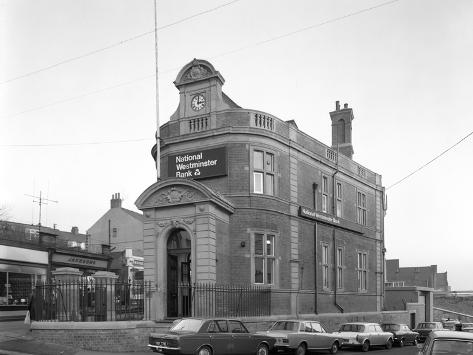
(246, 198)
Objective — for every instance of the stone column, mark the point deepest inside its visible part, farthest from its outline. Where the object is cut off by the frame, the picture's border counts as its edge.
(105, 293)
(67, 293)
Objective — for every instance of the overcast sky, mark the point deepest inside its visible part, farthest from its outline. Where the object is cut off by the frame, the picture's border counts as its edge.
(77, 100)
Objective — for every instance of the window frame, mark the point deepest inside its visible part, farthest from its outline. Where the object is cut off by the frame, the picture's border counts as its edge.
(325, 266)
(264, 173)
(339, 195)
(325, 194)
(361, 208)
(362, 270)
(340, 275)
(264, 257)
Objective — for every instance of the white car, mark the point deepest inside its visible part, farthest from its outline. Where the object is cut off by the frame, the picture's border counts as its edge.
(301, 336)
(364, 335)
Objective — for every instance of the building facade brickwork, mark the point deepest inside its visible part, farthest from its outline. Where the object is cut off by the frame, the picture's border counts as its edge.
(261, 202)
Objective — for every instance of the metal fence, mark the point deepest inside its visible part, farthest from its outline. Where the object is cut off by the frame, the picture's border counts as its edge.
(91, 301)
(211, 300)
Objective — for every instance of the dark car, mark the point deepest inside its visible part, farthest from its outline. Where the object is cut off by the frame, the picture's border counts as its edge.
(424, 329)
(447, 342)
(210, 337)
(402, 333)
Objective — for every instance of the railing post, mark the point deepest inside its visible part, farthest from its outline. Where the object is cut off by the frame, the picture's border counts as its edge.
(107, 279)
(67, 293)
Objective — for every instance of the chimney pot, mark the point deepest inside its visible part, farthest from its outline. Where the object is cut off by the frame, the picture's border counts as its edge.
(337, 105)
(116, 201)
(345, 106)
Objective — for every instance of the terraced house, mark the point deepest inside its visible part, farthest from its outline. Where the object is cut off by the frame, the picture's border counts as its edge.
(246, 198)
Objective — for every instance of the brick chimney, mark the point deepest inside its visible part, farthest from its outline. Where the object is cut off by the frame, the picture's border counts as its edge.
(116, 201)
(341, 129)
(75, 230)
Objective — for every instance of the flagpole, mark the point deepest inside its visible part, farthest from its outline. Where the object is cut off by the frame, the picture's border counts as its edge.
(158, 148)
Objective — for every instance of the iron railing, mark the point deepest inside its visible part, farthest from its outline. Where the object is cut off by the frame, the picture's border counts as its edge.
(213, 300)
(92, 301)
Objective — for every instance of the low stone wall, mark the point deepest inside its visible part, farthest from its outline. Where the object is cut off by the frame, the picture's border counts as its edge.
(133, 336)
(99, 336)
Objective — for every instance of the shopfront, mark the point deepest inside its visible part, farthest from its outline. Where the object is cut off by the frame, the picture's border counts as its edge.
(20, 269)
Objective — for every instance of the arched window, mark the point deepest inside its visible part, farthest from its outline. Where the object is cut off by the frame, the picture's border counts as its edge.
(179, 239)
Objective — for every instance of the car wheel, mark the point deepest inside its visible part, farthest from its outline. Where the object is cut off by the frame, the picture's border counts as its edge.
(334, 348)
(366, 346)
(205, 350)
(301, 349)
(262, 350)
(389, 344)
(401, 343)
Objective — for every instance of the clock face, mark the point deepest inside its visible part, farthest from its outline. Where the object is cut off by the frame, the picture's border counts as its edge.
(198, 102)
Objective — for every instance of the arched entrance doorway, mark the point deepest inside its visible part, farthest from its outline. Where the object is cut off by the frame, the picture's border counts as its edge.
(178, 273)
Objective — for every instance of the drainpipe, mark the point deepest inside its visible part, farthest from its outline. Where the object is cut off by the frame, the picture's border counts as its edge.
(334, 201)
(314, 191)
(335, 277)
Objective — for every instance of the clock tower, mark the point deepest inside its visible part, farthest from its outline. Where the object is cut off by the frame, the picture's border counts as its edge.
(200, 91)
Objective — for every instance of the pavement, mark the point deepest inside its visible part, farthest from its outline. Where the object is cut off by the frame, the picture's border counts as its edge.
(16, 339)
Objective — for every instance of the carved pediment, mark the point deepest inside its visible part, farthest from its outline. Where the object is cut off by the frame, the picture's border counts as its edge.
(176, 191)
(174, 195)
(197, 71)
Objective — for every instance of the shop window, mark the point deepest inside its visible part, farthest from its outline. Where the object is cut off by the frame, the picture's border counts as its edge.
(325, 265)
(263, 172)
(3, 288)
(264, 258)
(15, 288)
(362, 271)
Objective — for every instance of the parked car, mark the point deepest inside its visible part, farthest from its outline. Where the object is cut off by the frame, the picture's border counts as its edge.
(424, 328)
(450, 324)
(195, 336)
(447, 342)
(402, 334)
(301, 336)
(364, 335)
(466, 327)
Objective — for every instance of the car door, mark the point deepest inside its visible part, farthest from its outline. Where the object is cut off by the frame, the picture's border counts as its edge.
(381, 337)
(307, 334)
(371, 334)
(242, 342)
(320, 339)
(220, 338)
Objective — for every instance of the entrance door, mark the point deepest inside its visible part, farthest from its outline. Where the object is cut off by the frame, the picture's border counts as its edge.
(172, 286)
(179, 295)
(413, 320)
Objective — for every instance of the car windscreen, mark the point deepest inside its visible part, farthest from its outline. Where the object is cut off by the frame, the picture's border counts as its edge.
(187, 325)
(352, 328)
(452, 346)
(426, 326)
(391, 327)
(285, 325)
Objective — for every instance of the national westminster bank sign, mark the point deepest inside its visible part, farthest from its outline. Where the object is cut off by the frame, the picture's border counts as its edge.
(198, 164)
